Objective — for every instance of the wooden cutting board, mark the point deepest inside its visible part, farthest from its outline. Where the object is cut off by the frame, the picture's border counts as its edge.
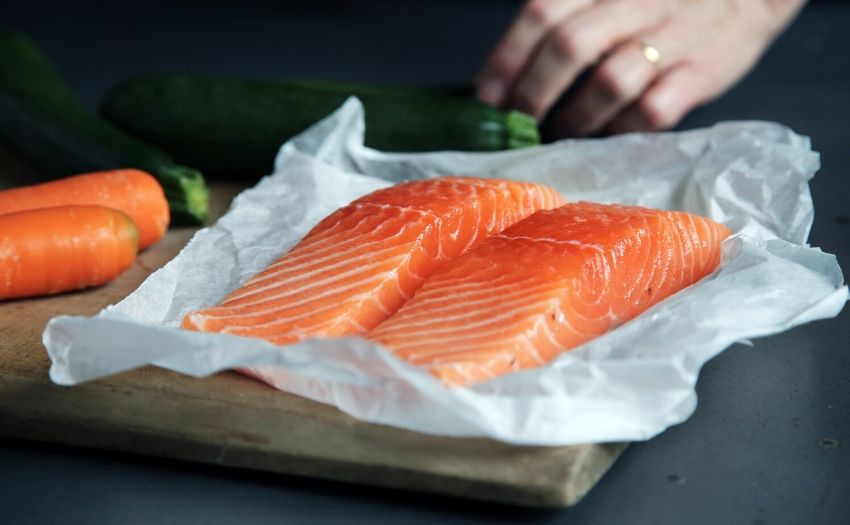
(228, 419)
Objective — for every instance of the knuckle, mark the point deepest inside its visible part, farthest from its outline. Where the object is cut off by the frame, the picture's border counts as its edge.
(567, 42)
(610, 85)
(539, 12)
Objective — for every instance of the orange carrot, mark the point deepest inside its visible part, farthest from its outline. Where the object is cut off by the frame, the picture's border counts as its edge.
(51, 250)
(134, 192)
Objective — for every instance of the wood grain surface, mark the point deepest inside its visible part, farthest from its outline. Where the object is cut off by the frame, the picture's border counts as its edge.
(230, 420)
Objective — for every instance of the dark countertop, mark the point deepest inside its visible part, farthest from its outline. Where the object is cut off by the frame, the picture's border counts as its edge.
(770, 440)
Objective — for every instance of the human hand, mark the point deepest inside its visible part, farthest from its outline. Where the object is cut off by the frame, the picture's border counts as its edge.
(649, 61)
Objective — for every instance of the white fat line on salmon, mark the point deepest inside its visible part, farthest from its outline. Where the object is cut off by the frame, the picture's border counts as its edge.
(445, 294)
(647, 262)
(319, 268)
(511, 317)
(312, 323)
(338, 326)
(381, 307)
(469, 354)
(693, 237)
(385, 206)
(423, 350)
(418, 253)
(288, 288)
(581, 244)
(575, 302)
(353, 225)
(645, 242)
(438, 292)
(310, 248)
(347, 232)
(601, 264)
(459, 283)
(401, 292)
(664, 259)
(521, 345)
(276, 312)
(555, 199)
(284, 271)
(485, 289)
(442, 234)
(543, 326)
(697, 242)
(263, 324)
(625, 288)
(274, 316)
(711, 241)
(221, 312)
(474, 349)
(483, 182)
(654, 274)
(357, 306)
(327, 327)
(446, 313)
(481, 364)
(335, 246)
(473, 339)
(684, 257)
(679, 243)
(289, 263)
(476, 293)
(494, 216)
(571, 300)
(476, 356)
(477, 228)
(357, 326)
(692, 247)
(674, 275)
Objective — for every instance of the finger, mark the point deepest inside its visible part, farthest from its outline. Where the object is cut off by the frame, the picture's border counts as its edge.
(620, 80)
(664, 104)
(614, 84)
(535, 19)
(575, 44)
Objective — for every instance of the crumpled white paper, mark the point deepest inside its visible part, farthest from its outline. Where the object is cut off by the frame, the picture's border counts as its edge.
(629, 384)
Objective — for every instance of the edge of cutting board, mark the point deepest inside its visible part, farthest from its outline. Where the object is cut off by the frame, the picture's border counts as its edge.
(234, 421)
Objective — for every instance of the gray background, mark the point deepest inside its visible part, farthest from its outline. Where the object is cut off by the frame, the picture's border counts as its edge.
(768, 443)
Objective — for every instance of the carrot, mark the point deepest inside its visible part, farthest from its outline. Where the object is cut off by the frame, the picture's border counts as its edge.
(134, 192)
(51, 250)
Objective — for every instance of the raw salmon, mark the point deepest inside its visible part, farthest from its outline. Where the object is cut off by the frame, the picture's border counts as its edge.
(548, 284)
(361, 263)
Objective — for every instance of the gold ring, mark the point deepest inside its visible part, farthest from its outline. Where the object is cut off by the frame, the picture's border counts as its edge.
(650, 53)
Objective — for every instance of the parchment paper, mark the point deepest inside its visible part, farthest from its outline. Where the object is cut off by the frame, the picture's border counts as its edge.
(629, 384)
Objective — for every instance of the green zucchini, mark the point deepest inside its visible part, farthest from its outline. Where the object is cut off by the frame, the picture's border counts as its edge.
(44, 121)
(231, 127)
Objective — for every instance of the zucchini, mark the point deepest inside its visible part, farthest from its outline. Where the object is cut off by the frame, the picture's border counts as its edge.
(44, 121)
(230, 127)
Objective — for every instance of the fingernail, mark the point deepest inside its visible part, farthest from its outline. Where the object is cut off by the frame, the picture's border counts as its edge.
(491, 91)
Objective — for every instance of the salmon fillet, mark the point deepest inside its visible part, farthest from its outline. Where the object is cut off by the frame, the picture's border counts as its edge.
(361, 263)
(546, 285)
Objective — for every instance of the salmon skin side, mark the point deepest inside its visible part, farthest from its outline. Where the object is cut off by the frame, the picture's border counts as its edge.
(361, 263)
(546, 285)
